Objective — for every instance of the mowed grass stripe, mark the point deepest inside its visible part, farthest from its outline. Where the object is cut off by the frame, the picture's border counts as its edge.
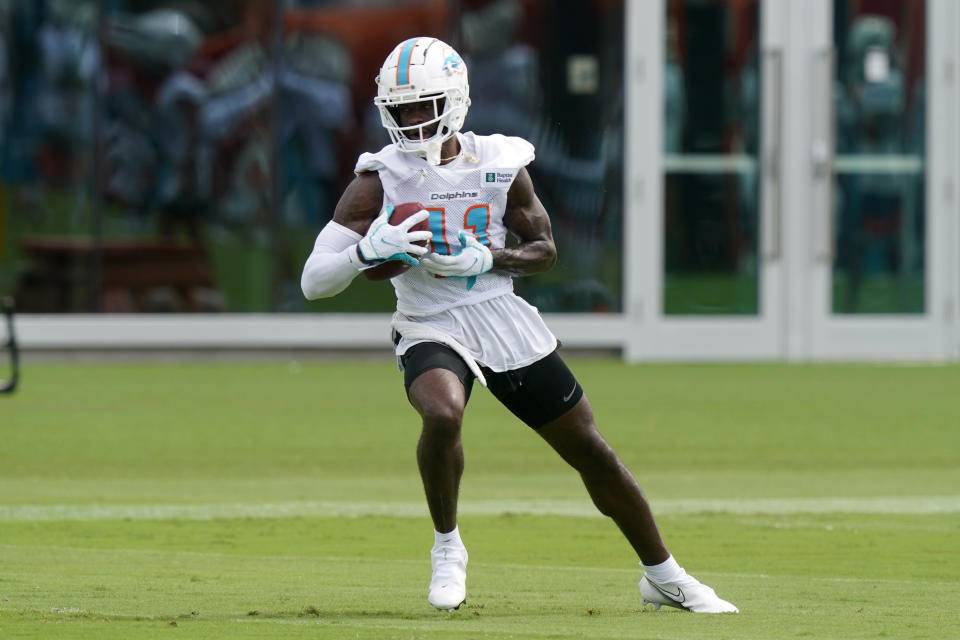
(349, 561)
(918, 505)
(514, 632)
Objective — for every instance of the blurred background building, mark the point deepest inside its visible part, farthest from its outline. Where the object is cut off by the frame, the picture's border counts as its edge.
(734, 179)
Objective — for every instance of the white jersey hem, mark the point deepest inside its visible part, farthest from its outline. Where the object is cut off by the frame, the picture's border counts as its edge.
(502, 334)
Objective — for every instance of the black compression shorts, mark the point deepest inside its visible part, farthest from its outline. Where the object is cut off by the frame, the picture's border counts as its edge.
(537, 394)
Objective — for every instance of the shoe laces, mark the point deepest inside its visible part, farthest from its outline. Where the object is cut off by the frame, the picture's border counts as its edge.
(444, 556)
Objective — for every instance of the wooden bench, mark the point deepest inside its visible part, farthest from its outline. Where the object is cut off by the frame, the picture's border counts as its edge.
(61, 274)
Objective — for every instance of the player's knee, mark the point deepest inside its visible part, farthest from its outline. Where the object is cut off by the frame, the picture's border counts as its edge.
(596, 457)
(442, 419)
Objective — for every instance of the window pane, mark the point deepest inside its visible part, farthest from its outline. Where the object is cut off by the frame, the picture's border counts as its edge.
(880, 170)
(711, 181)
(228, 132)
(48, 63)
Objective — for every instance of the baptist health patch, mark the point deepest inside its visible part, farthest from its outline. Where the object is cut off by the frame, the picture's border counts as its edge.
(501, 178)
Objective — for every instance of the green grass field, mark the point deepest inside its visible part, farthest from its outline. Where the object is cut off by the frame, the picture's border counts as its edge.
(280, 500)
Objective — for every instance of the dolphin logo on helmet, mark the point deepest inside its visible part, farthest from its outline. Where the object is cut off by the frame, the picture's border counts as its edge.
(454, 64)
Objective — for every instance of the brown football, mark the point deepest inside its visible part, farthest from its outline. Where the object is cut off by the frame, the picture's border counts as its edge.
(393, 268)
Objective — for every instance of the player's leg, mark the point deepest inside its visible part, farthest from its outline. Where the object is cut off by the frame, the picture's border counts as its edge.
(440, 398)
(615, 491)
(547, 397)
(612, 487)
(438, 386)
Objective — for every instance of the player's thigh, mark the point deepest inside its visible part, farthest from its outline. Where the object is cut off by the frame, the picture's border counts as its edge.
(540, 393)
(574, 435)
(437, 380)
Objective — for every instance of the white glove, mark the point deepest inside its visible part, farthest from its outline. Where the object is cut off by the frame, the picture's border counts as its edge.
(473, 259)
(385, 241)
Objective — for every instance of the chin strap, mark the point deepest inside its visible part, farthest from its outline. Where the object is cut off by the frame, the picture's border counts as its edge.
(431, 152)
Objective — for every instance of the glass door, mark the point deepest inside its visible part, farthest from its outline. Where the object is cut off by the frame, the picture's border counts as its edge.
(794, 177)
(879, 265)
(709, 190)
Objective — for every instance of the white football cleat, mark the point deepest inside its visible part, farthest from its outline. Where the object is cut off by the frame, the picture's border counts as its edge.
(448, 586)
(687, 593)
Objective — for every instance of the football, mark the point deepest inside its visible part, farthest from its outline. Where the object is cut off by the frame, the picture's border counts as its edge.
(393, 268)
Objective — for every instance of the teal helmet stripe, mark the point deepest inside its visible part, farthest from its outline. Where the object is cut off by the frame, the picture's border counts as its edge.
(403, 64)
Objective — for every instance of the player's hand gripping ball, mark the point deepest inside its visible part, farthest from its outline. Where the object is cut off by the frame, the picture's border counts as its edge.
(398, 262)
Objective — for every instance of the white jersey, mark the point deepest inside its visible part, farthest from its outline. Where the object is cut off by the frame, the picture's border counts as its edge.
(467, 193)
(495, 327)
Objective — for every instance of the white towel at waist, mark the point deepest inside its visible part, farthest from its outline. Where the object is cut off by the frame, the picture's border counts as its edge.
(418, 331)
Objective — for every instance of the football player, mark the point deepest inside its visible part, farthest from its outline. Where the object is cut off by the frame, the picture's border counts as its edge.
(458, 320)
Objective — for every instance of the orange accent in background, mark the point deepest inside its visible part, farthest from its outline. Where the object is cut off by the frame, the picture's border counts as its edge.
(371, 32)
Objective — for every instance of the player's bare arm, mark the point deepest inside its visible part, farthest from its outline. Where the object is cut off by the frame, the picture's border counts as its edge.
(528, 220)
(360, 203)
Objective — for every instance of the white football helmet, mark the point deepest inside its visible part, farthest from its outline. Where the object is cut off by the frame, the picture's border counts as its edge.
(419, 70)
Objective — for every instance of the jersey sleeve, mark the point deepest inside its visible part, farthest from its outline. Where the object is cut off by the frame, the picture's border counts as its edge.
(368, 162)
(388, 162)
(510, 151)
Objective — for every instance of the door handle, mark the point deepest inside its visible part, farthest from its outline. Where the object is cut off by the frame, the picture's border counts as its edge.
(822, 152)
(772, 117)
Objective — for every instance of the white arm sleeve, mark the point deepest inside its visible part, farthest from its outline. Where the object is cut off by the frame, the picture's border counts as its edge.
(333, 264)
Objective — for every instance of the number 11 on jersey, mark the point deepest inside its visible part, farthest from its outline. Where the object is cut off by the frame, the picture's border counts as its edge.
(476, 219)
